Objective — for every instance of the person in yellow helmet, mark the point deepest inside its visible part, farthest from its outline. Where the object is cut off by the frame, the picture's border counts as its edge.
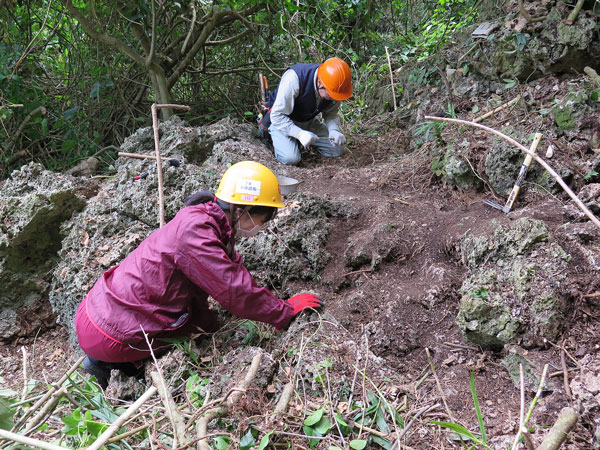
(161, 288)
(304, 92)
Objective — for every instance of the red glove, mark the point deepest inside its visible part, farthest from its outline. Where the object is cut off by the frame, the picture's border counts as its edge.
(303, 301)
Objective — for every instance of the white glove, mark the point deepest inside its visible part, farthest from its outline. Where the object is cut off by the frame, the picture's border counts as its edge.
(307, 138)
(337, 138)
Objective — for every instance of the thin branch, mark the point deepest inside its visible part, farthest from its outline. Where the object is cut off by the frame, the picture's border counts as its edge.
(48, 394)
(523, 424)
(544, 164)
(202, 424)
(525, 14)
(16, 134)
(14, 437)
(110, 431)
(191, 30)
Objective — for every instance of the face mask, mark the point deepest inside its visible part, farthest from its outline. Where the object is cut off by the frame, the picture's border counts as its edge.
(242, 232)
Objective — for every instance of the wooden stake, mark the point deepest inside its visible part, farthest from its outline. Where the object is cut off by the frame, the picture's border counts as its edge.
(161, 200)
(261, 80)
(391, 78)
(544, 164)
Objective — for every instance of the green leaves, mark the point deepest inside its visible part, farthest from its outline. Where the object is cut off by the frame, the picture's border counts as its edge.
(247, 441)
(462, 431)
(83, 426)
(358, 444)
(316, 424)
(6, 415)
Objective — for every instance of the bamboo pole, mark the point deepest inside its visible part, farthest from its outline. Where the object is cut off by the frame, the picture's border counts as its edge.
(161, 199)
(543, 163)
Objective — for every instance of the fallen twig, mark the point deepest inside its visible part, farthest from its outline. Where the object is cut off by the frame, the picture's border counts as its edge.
(544, 164)
(367, 429)
(594, 295)
(141, 156)
(574, 13)
(439, 386)
(523, 422)
(35, 420)
(10, 436)
(114, 427)
(48, 394)
(284, 400)
(159, 381)
(498, 109)
(202, 424)
(557, 434)
(407, 427)
(566, 352)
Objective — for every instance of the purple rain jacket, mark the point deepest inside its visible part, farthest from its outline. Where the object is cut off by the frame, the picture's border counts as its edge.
(177, 266)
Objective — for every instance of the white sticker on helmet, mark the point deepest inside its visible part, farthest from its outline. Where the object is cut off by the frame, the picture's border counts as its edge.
(247, 198)
(251, 187)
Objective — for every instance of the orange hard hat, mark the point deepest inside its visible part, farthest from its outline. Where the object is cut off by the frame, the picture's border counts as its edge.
(336, 77)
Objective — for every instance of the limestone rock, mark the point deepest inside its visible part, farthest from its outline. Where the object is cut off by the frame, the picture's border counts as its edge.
(34, 203)
(512, 294)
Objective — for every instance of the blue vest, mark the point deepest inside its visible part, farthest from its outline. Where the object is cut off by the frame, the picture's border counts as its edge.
(305, 105)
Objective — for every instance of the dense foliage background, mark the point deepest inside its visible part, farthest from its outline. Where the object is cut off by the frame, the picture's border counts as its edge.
(78, 77)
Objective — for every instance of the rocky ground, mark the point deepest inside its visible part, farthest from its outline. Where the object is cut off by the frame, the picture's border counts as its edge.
(423, 284)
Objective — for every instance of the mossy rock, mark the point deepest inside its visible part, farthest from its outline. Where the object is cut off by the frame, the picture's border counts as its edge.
(512, 294)
(457, 171)
(569, 111)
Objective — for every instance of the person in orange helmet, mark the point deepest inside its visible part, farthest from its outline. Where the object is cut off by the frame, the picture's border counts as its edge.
(304, 92)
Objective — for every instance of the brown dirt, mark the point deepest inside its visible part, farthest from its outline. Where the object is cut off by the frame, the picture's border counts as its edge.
(409, 301)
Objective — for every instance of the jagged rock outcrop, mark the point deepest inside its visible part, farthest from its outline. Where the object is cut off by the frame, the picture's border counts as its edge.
(512, 294)
(34, 203)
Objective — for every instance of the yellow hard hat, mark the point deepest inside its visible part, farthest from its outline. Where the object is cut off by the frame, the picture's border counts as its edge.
(250, 183)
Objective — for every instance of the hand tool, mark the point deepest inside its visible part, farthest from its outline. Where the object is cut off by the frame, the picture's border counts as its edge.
(517, 187)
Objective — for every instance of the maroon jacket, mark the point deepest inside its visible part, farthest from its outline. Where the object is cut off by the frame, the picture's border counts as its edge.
(177, 266)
